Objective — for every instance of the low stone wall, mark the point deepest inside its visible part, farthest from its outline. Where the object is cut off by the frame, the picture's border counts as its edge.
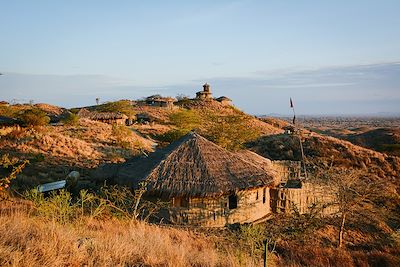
(252, 205)
(302, 199)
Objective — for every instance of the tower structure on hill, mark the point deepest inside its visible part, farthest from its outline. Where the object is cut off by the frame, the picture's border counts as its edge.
(206, 93)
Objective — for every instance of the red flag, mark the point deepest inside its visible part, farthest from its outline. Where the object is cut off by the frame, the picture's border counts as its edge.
(291, 103)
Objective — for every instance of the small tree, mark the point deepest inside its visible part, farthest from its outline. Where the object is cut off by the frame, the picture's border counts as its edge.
(14, 167)
(185, 119)
(121, 106)
(97, 101)
(355, 192)
(231, 131)
(71, 119)
(182, 97)
(34, 117)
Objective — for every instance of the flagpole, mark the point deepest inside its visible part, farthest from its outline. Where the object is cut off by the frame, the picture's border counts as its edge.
(301, 144)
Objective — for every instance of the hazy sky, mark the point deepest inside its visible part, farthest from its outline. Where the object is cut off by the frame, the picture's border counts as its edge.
(330, 56)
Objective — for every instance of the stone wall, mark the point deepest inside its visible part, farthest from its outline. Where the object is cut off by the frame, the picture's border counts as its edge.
(252, 205)
(286, 199)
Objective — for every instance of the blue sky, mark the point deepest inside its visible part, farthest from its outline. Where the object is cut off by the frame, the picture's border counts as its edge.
(336, 57)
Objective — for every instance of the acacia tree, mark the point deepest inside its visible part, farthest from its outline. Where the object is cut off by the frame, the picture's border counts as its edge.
(230, 132)
(355, 192)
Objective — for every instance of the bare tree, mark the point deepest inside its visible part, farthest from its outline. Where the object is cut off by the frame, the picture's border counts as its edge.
(355, 192)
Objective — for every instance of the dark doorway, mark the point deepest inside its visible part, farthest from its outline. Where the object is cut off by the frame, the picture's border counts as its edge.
(233, 201)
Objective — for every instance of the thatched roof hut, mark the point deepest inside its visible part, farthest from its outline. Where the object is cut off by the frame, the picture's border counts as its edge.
(223, 98)
(107, 117)
(196, 167)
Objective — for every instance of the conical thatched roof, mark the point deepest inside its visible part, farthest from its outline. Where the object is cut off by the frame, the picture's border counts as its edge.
(194, 166)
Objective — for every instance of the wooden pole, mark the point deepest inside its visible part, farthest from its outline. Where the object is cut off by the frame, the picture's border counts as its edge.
(301, 144)
(265, 253)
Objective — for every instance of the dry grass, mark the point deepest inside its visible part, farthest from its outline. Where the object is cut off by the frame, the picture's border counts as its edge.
(32, 241)
(87, 144)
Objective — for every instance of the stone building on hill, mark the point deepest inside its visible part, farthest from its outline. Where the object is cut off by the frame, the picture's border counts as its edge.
(159, 101)
(206, 93)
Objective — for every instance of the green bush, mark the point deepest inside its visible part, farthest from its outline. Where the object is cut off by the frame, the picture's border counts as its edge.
(123, 137)
(230, 132)
(34, 117)
(172, 135)
(121, 106)
(111, 201)
(185, 119)
(71, 119)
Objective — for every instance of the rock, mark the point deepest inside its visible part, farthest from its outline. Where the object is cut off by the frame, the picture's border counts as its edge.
(72, 179)
(73, 175)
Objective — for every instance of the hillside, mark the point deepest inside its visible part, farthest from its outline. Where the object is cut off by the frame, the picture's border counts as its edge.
(385, 140)
(214, 108)
(376, 133)
(96, 224)
(328, 150)
(54, 151)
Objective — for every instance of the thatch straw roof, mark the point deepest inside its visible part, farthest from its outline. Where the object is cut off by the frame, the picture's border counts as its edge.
(84, 113)
(107, 116)
(194, 166)
(223, 98)
(158, 98)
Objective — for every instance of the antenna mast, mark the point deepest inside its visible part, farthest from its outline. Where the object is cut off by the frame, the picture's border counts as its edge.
(298, 135)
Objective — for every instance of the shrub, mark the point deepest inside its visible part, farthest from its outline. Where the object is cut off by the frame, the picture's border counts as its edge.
(14, 167)
(121, 106)
(230, 132)
(71, 119)
(172, 135)
(185, 119)
(34, 117)
(123, 137)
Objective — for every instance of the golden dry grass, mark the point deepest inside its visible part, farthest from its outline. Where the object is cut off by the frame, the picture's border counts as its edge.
(87, 144)
(34, 241)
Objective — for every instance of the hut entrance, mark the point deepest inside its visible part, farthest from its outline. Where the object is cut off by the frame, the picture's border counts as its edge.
(233, 201)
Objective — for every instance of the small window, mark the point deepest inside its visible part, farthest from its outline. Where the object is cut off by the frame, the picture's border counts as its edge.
(264, 195)
(257, 195)
(233, 202)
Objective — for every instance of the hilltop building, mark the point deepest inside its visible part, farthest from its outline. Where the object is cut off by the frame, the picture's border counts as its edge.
(224, 100)
(106, 117)
(206, 93)
(159, 101)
